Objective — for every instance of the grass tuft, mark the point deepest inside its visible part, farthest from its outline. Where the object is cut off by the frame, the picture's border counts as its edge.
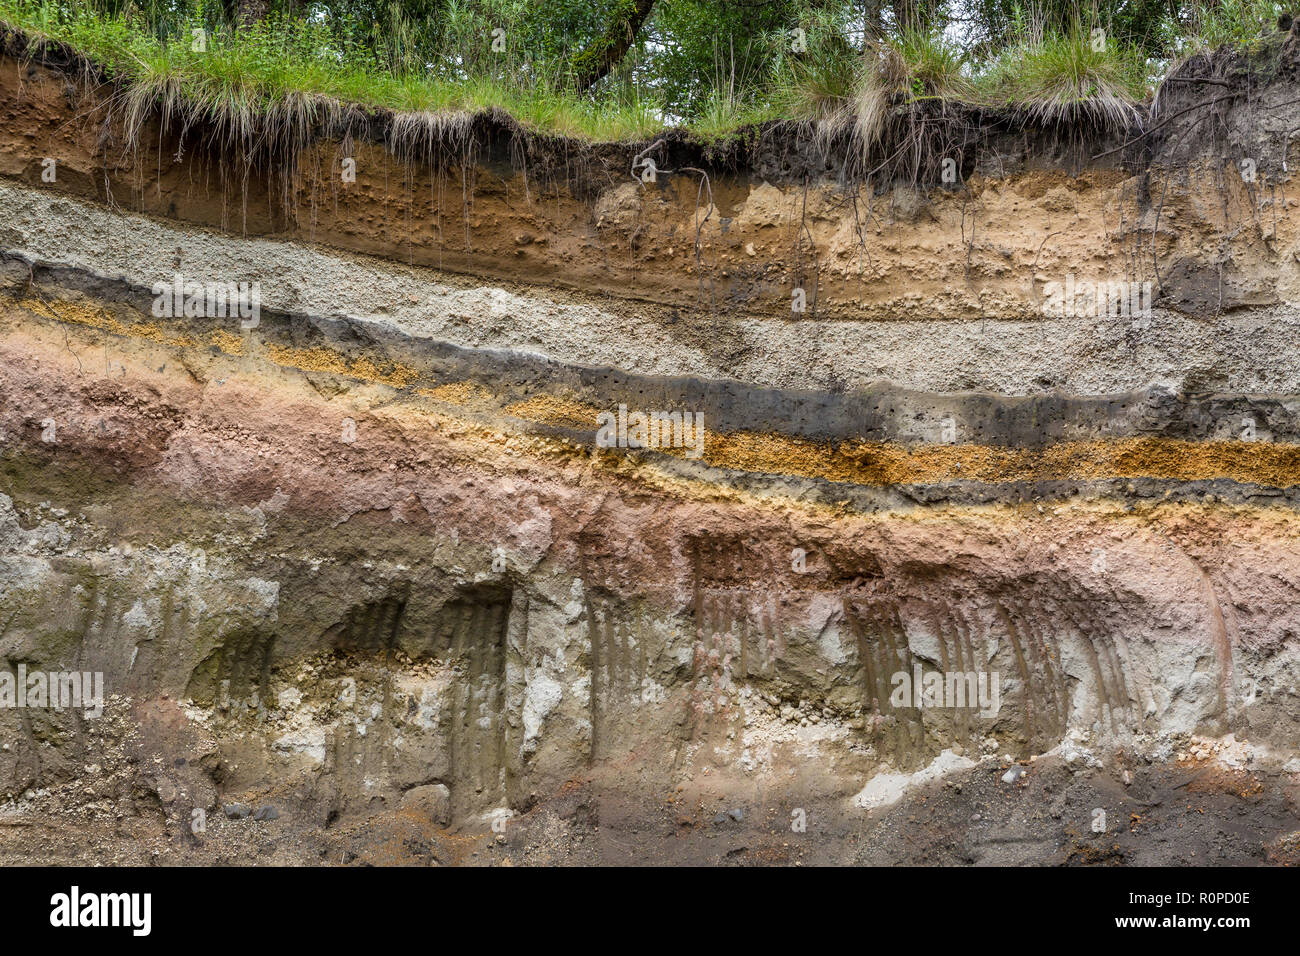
(903, 70)
(1069, 77)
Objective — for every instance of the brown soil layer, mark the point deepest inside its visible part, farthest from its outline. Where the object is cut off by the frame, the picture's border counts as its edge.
(1206, 238)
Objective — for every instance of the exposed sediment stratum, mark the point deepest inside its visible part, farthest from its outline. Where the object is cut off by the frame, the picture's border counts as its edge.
(360, 558)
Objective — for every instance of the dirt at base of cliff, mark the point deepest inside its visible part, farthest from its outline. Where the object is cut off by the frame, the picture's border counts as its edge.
(1047, 813)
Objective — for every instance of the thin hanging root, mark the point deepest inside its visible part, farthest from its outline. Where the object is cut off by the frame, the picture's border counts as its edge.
(798, 248)
(705, 185)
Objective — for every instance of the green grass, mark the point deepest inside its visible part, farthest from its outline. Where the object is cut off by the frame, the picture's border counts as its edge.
(1071, 75)
(817, 84)
(280, 79)
(726, 110)
(291, 73)
(929, 66)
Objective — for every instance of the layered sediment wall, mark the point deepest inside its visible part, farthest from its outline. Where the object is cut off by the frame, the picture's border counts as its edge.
(364, 555)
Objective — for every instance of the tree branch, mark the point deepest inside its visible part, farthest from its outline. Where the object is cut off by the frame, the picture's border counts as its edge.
(594, 63)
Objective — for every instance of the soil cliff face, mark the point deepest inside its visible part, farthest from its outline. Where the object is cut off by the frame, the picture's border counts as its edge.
(381, 560)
